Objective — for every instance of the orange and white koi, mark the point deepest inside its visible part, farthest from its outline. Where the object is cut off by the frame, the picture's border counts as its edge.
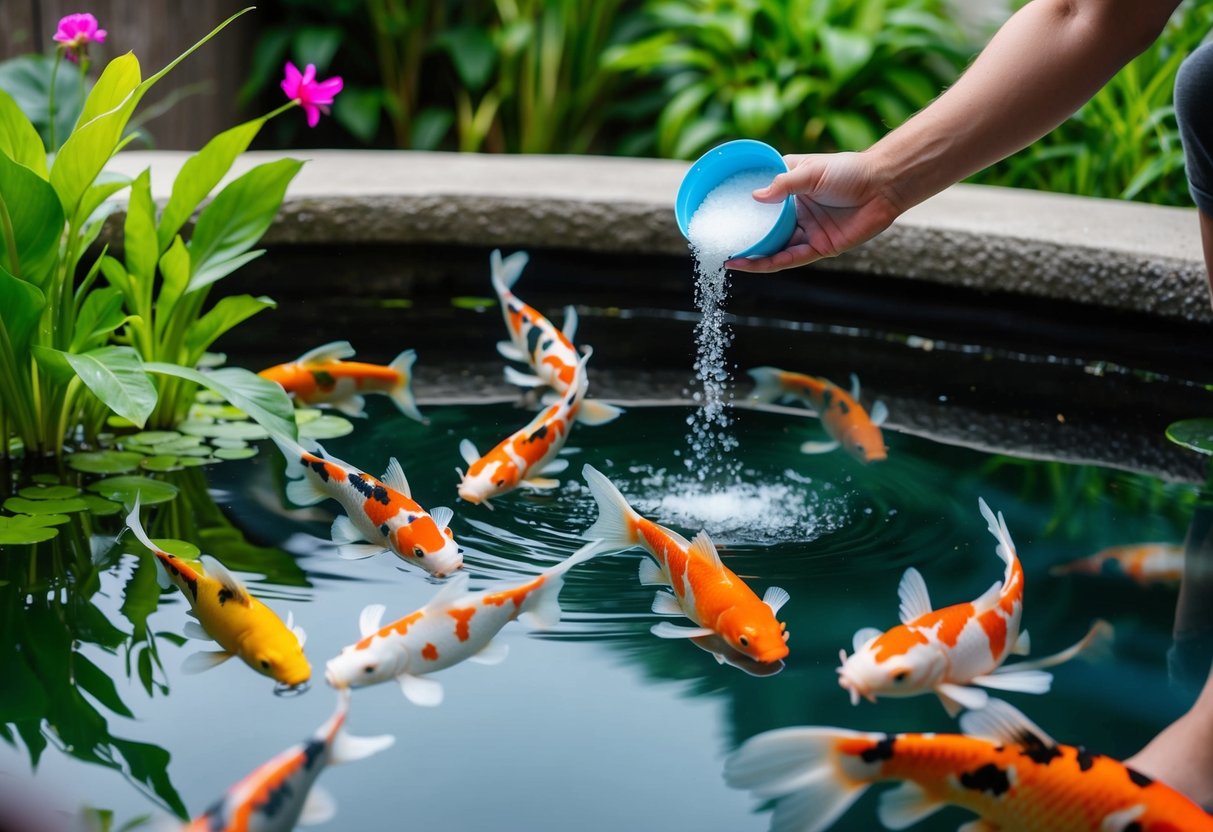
(229, 615)
(841, 414)
(704, 589)
(535, 341)
(321, 376)
(947, 651)
(281, 792)
(522, 458)
(1003, 767)
(1145, 563)
(456, 625)
(380, 511)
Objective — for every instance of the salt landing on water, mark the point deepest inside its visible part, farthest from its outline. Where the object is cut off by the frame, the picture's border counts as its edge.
(727, 222)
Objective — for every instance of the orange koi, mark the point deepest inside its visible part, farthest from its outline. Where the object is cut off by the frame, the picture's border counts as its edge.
(382, 512)
(455, 625)
(535, 341)
(843, 417)
(947, 651)
(1145, 563)
(522, 458)
(229, 615)
(1003, 767)
(281, 792)
(704, 589)
(320, 376)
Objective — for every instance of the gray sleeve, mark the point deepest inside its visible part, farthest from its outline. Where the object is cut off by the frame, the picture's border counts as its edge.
(1194, 112)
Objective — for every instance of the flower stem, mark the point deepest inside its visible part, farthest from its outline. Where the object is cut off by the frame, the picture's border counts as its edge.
(50, 96)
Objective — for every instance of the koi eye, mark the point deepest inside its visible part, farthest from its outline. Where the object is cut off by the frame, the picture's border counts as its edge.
(500, 483)
(265, 665)
(743, 641)
(900, 676)
(370, 668)
(418, 552)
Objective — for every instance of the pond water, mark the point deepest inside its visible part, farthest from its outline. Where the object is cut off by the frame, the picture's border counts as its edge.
(597, 723)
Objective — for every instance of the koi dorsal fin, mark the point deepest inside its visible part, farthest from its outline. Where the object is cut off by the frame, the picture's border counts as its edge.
(332, 351)
(371, 619)
(775, 597)
(915, 600)
(468, 451)
(230, 582)
(570, 322)
(454, 588)
(395, 479)
(703, 546)
(855, 387)
(1004, 724)
(863, 636)
(442, 517)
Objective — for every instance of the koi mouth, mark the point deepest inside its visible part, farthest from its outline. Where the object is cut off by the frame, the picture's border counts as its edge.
(283, 689)
(851, 685)
(331, 678)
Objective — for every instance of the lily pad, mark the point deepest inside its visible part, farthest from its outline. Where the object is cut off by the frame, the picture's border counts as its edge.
(306, 414)
(195, 461)
(216, 411)
(46, 479)
(225, 430)
(105, 462)
(200, 450)
(162, 463)
(49, 492)
(99, 506)
(1193, 434)
(229, 443)
(154, 437)
(395, 303)
(24, 529)
(181, 548)
(124, 490)
(326, 427)
(235, 453)
(473, 303)
(142, 450)
(179, 444)
(20, 505)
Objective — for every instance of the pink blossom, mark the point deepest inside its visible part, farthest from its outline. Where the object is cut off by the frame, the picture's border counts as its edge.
(77, 31)
(314, 96)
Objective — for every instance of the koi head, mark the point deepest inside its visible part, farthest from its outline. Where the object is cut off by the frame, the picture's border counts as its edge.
(430, 546)
(864, 441)
(879, 668)
(282, 661)
(481, 483)
(752, 630)
(367, 663)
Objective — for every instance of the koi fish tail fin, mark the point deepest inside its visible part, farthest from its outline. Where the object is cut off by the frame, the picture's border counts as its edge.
(616, 523)
(998, 527)
(402, 393)
(799, 769)
(1095, 646)
(507, 271)
(343, 747)
(132, 523)
(542, 607)
(767, 387)
(593, 412)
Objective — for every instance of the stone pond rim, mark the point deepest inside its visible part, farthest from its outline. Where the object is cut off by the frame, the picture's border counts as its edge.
(1110, 253)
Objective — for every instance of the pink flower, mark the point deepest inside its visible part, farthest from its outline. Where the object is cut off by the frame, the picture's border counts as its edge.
(314, 96)
(77, 31)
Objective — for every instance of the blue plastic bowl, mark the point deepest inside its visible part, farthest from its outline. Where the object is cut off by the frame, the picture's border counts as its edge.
(717, 165)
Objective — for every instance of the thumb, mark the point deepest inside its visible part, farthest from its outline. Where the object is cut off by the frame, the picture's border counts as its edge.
(804, 176)
(777, 191)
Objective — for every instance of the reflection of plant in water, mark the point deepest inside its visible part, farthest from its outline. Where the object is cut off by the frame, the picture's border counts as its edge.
(1069, 489)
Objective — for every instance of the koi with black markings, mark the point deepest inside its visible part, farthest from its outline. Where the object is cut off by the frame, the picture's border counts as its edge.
(321, 376)
(844, 418)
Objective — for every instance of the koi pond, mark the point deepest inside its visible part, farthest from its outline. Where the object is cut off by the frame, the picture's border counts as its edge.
(1053, 416)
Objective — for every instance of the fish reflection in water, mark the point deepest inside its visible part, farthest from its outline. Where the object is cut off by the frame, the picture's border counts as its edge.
(725, 654)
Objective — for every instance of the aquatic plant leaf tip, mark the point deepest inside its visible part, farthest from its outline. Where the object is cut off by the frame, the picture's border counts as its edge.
(76, 32)
(314, 96)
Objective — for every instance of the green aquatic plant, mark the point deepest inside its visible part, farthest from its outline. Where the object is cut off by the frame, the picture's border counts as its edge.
(72, 350)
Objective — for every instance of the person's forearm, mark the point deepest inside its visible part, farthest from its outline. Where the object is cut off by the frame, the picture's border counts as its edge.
(1040, 67)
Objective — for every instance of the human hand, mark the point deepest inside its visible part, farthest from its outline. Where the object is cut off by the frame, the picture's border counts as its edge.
(841, 201)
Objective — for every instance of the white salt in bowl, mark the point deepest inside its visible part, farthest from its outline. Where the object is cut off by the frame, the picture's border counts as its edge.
(721, 163)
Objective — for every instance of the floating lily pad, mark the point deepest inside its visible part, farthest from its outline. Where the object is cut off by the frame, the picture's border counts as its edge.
(195, 461)
(179, 444)
(105, 462)
(24, 529)
(473, 303)
(225, 430)
(99, 506)
(154, 437)
(124, 490)
(164, 462)
(49, 492)
(1193, 434)
(216, 411)
(235, 453)
(229, 443)
(201, 450)
(181, 548)
(396, 303)
(326, 427)
(142, 450)
(46, 479)
(20, 505)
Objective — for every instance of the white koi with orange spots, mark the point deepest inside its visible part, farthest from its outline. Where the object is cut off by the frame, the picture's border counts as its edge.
(947, 651)
(456, 625)
(281, 792)
(535, 341)
(382, 512)
(525, 456)
(704, 589)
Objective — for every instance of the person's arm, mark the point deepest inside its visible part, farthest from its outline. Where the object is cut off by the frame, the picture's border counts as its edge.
(1040, 67)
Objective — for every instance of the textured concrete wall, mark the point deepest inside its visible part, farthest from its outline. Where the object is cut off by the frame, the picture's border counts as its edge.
(1109, 253)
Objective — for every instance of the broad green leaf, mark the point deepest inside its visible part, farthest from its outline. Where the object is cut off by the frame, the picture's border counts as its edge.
(175, 268)
(472, 52)
(26, 528)
(107, 184)
(265, 402)
(201, 173)
(54, 363)
(845, 52)
(23, 505)
(317, 45)
(756, 109)
(48, 492)
(430, 127)
(22, 303)
(27, 80)
(118, 80)
(214, 270)
(115, 274)
(850, 131)
(225, 314)
(125, 489)
(29, 207)
(100, 314)
(237, 217)
(1193, 434)
(19, 140)
(359, 110)
(139, 233)
(116, 376)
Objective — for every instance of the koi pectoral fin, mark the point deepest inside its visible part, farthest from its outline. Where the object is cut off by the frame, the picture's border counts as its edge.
(651, 574)
(540, 483)
(193, 629)
(420, 691)
(664, 603)
(508, 351)
(818, 447)
(204, 661)
(1020, 681)
(518, 379)
(905, 806)
(977, 825)
(494, 652)
(667, 630)
(358, 551)
(318, 807)
(956, 698)
(354, 407)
